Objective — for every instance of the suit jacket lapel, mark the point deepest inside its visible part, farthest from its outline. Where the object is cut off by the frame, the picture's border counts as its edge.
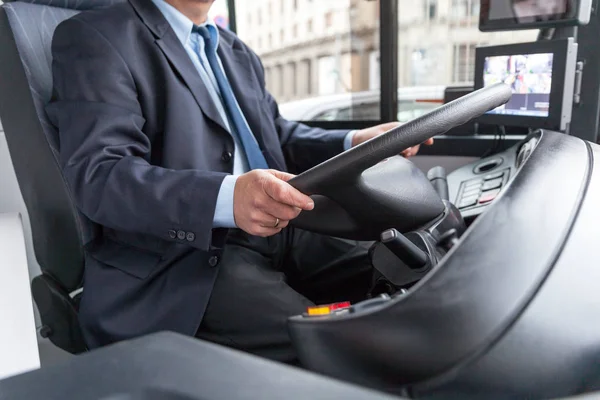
(180, 61)
(177, 56)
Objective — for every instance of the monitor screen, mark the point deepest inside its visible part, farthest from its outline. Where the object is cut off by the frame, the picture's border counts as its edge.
(498, 15)
(525, 11)
(529, 76)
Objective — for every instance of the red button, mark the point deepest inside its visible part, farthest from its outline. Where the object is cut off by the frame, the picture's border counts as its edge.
(339, 306)
(486, 197)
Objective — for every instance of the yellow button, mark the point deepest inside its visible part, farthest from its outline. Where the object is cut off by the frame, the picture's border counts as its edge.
(318, 310)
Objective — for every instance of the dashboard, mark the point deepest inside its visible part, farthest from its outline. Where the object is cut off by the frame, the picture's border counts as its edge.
(495, 316)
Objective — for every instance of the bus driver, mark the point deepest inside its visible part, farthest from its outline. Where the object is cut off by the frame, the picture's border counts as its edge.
(172, 146)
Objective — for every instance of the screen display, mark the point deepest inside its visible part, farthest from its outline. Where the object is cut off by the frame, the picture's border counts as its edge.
(529, 76)
(527, 11)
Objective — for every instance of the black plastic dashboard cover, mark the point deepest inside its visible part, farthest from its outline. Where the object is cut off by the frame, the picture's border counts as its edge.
(473, 296)
(553, 349)
(169, 366)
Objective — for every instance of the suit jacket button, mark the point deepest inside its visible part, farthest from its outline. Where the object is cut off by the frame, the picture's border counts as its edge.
(213, 261)
(226, 156)
(190, 237)
(181, 235)
(172, 234)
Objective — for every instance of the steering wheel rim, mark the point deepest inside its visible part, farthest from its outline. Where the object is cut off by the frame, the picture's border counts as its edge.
(349, 165)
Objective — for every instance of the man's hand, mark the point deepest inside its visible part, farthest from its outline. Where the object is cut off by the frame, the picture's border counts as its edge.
(264, 203)
(369, 133)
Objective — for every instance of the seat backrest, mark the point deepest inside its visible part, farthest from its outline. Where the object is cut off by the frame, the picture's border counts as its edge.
(59, 230)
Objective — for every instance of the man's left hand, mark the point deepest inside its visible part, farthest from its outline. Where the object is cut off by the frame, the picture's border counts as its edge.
(369, 133)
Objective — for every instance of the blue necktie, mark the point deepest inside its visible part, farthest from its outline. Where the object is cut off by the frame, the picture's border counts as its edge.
(255, 158)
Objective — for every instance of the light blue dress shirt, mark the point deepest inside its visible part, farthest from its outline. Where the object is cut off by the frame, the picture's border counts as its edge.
(194, 46)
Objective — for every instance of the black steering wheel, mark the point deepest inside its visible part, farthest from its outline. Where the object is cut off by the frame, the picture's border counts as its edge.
(355, 194)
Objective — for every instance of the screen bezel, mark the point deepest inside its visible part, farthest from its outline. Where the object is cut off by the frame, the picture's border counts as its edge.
(580, 17)
(559, 49)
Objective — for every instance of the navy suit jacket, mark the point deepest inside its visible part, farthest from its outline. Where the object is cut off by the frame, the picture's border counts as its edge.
(144, 151)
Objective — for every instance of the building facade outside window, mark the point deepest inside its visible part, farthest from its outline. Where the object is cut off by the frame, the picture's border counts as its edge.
(324, 55)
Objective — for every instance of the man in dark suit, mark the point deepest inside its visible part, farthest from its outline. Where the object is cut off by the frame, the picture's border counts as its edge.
(171, 144)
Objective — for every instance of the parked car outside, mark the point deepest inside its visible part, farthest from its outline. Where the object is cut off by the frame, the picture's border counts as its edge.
(363, 106)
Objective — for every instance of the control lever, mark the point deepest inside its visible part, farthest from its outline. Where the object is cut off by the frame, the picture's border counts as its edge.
(448, 239)
(437, 177)
(404, 249)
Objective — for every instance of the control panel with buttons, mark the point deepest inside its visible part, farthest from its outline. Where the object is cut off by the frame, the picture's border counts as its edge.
(482, 190)
(476, 185)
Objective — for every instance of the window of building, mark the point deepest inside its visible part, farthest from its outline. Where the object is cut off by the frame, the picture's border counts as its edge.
(308, 77)
(279, 80)
(295, 32)
(309, 26)
(464, 63)
(329, 19)
(430, 9)
(293, 79)
(464, 8)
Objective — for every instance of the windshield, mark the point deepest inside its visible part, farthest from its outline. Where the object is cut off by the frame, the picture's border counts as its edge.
(322, 58)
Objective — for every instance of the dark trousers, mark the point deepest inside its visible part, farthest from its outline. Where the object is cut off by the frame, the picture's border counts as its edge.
(263, 281)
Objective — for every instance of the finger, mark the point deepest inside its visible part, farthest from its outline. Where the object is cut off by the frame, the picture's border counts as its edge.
(406, 153)
(410, 153)
(428, 142)
(415, 150)
(388, 126)
(284, 176)
(283, 224)
(273, 221)
(279, 210)
(282, 192)
(265, 220)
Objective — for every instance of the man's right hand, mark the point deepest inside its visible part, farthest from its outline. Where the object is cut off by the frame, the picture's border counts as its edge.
(262, 198)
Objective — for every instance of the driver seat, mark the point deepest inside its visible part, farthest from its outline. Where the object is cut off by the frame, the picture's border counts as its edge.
(59, 231)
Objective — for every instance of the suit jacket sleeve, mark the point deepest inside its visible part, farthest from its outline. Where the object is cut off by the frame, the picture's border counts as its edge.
(303, 146)
(104, 152)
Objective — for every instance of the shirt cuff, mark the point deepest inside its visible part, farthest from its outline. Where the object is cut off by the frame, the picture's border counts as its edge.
(348, 140)
(224, 217)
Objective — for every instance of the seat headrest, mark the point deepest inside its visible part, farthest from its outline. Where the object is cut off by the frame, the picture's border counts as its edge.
(80, 5)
